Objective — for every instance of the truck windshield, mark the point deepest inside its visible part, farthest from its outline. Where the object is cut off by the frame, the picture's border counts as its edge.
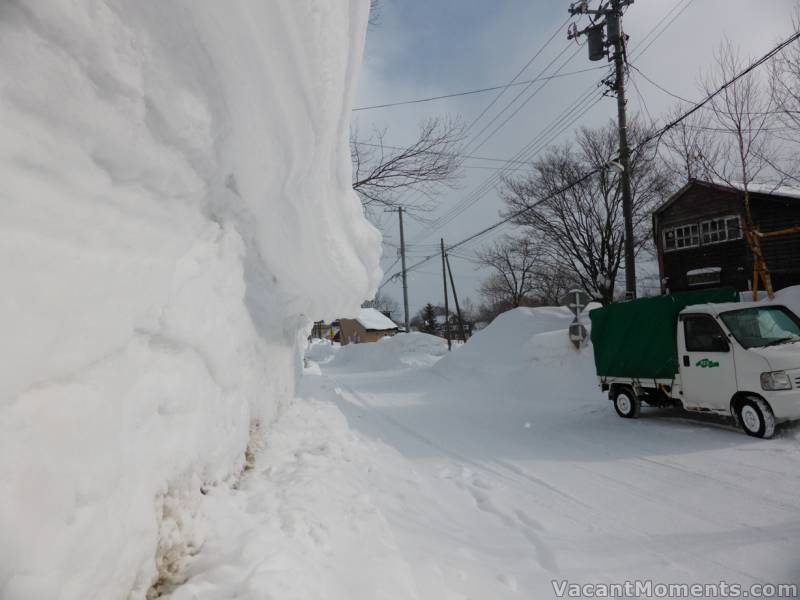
(762, 326)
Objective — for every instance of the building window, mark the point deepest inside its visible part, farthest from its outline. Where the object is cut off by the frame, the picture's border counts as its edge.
(706, 276)
(722, 229)
(677, 238)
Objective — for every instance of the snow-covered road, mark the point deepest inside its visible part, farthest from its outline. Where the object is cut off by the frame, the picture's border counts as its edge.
(489, 474)
(522, 486)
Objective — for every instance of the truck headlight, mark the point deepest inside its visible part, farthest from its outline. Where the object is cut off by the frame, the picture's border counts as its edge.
(775, 380)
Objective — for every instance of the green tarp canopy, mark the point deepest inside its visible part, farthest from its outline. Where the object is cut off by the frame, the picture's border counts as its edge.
(637, 338)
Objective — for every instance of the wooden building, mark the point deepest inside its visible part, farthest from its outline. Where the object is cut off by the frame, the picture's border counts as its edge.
(700, 243)
(369, 326)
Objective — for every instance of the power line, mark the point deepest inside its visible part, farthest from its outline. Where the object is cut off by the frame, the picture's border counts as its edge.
(776, 50)
(478, 91)
(453, 154)
(564, 120)
(522, 104)
(657, 134)
(642, 101)
(682, 99)
(521, 71)
(487, 185)
(667, 26)
(523, 156)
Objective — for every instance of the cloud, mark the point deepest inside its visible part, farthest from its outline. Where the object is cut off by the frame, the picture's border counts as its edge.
(427, 48)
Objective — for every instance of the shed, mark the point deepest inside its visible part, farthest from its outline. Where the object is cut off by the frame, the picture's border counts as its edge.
(369, 325)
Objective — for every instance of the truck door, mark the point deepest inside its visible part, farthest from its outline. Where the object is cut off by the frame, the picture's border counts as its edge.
(707, 367)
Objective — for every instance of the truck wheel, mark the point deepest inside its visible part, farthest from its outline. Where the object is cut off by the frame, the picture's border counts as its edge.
(756, 417)
(626, 403)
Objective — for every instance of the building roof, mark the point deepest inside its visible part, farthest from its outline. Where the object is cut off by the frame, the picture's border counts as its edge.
(374, 320)
(762, 189)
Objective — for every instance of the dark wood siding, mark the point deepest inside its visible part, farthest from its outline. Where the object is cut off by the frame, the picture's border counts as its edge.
(700, 202)
(782, 254)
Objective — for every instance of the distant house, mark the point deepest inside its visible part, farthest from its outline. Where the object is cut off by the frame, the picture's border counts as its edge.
(700, 243)
(369, 326)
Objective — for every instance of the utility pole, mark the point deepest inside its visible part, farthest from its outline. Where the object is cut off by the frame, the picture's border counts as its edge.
(455, 298)
(598, 49)
(403, 265)
(446, 307)
(399, 211)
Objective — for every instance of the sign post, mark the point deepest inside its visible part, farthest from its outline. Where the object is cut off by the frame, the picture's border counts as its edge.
(576, 301)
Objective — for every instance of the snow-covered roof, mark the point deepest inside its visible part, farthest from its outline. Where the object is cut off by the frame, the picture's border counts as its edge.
(764, 189)
(370, 318)
(761, 188)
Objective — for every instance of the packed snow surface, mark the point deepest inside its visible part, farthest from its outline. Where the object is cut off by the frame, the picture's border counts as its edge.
(503, 467)
(176, 196)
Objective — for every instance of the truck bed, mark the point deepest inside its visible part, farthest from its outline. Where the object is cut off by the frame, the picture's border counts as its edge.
(636, 339)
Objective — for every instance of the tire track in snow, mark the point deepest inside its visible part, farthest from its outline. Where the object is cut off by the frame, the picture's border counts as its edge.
(639, 542)
(361, 402)
(521, 482)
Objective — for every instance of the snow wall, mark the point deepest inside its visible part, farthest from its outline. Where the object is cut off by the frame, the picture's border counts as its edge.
(176, 200)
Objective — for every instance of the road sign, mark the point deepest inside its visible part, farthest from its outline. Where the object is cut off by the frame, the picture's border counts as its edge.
(575, 300)
(577, 333)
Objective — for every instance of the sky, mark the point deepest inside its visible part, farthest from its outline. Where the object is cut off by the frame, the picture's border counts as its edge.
(426, 48)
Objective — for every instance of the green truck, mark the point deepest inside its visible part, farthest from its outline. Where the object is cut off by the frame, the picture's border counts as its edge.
(702, 351)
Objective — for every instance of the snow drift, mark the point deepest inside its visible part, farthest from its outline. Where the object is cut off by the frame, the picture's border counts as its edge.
(506, 339)
(414, 349)
(176, 195)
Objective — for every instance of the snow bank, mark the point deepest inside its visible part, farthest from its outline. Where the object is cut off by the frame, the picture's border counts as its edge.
(526, 357)
(304, 523)
(176, 193)
(504, 344)
(403, 350)
(322, 351)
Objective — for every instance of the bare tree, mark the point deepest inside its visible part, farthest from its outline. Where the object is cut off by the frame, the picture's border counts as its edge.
(578, 220)
(784, 78)
(553, 281)
(428, 165)
(743, 112)
(384, 303)
(691, 146)
(513, 263)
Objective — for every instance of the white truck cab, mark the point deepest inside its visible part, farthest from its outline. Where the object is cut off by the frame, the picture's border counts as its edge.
(740, 359)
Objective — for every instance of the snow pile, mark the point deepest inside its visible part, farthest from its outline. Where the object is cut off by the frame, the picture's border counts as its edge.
(303, 524)
(403, 350)
(526, 355)
(508, 342)
(176, 193)
(321, 351)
